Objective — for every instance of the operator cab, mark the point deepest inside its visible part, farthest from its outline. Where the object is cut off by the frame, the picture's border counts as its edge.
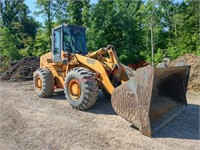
(69, 39)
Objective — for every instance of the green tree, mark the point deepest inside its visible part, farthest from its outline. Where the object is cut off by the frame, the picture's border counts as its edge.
(185, 31)
(86, 13)
(49, 10)
(154, 34)
(8, 45)
(18, 29)
(74, 10)
(41, 45)
(115, 22)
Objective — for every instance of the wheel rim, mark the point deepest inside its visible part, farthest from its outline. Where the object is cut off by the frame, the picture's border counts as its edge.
(38, 83)
(74, 89)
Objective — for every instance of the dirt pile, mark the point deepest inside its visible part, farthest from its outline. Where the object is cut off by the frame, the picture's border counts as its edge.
(21, 70)
(194, 61)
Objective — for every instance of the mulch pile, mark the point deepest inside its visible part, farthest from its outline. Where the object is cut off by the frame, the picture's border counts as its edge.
(21, 70)
(194, 62)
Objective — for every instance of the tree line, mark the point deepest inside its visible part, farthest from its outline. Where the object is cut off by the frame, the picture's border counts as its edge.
(136, 28)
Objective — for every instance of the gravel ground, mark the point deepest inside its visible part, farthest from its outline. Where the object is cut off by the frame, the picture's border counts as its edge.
(28, 122)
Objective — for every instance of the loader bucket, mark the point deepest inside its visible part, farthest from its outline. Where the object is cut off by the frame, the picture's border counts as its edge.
(152, 97)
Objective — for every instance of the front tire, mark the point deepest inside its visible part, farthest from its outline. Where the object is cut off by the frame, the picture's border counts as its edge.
(81, 88)
(43, 82)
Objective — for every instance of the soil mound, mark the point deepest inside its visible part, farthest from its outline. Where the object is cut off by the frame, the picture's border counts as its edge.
(21, 70)
(194, 62)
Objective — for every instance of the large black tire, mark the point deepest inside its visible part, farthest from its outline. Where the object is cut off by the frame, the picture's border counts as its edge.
(43, 82)
(87, 85)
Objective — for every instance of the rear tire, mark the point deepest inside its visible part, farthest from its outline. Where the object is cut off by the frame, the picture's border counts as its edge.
(81, 88)
(43, 82)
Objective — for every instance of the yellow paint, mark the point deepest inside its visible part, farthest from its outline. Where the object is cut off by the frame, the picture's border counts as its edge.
(74, 89)
(96, 62)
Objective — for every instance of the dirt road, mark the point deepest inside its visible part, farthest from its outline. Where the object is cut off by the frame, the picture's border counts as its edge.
(30, 122)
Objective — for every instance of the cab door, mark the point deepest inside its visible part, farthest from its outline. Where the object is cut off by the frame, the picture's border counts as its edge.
(57, 45)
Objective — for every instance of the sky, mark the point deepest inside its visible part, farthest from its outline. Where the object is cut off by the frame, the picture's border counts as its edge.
(31, 5)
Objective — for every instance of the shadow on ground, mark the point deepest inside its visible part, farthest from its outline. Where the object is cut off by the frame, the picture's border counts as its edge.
(102, 106)
(58, 95)
(185, 126)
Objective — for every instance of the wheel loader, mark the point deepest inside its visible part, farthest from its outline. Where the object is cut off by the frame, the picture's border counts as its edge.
(147, 97)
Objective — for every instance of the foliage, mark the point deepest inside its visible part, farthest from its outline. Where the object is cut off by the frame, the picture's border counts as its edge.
(186, 30)
(18, 29)
(136, 28)
(42, 44)
(8, 44)
(49, 9)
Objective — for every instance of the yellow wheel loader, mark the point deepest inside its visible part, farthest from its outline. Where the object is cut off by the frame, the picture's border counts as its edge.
(148, 98)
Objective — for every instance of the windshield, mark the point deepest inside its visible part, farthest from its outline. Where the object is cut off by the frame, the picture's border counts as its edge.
(74, 40)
